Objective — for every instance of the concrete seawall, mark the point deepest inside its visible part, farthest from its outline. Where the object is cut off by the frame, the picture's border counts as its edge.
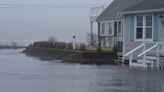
(97, 57)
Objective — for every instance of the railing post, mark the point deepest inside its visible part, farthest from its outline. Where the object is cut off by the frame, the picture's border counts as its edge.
(157, 53)
(130, 59)
(144, 48)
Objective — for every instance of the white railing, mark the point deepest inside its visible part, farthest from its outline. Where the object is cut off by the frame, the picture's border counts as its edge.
(155, 46)
(130, 52)
(96, 11)
(146, 51)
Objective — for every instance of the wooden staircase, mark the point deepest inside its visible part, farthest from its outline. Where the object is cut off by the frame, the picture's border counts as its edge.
(145, 60)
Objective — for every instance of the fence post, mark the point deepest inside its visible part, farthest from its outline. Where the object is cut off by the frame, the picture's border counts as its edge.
(144, 48)
(130, 59)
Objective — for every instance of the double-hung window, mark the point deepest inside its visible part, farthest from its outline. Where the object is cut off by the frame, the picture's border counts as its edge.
(148, 27)
(144, 28)
(119, 28)
(110, 28)
(102, 28)
(139, 28)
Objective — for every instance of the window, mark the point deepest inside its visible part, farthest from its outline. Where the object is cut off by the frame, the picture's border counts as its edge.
(144, 27)
(110, 28)
(148, 27)
(103, 28)
(139, 29)
(119, 27)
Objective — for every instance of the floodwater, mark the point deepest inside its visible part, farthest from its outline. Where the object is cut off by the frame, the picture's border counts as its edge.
(23, 73)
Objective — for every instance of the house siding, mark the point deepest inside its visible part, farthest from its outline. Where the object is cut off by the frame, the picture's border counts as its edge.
(161, 34)
(130, 44)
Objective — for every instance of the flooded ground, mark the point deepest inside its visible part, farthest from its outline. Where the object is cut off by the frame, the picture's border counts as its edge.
(21, 73)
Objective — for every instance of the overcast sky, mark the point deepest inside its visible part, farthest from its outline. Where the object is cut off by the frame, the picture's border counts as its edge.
(38, 23)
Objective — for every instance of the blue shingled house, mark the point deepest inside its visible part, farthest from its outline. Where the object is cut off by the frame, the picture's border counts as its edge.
(139, 26)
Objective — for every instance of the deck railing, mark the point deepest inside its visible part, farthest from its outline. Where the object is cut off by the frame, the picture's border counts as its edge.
(96, 11)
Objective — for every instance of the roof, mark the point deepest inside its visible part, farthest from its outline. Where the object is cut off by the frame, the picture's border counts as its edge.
(146, 5)
(110, 13)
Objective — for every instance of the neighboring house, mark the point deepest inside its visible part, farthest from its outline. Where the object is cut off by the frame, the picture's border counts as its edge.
(143, 33)
(110, 24)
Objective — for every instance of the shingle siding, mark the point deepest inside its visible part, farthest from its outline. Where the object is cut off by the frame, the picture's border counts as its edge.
(129, 44)
(111, 12)
(146, 5)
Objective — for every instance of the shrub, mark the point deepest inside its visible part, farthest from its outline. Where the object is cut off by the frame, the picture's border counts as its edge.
(82, 47)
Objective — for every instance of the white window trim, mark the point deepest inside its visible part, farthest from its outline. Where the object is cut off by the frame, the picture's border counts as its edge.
(112, 27)
(101, 29)
(106, 33)
(144, 26)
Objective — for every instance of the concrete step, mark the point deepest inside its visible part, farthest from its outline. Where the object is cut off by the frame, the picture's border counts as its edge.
(150, 57)
(141, 61)
(137, 64)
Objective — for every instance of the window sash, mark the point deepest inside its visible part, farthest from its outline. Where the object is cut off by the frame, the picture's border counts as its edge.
(144, 30)
(103, 28)
(110, 28)
(119, 27)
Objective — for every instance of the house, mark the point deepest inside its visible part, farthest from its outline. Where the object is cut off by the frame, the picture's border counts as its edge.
(137, 27)
(110, 31)
(143, 33)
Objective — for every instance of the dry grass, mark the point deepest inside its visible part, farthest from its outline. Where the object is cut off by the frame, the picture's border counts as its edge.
(94, 49)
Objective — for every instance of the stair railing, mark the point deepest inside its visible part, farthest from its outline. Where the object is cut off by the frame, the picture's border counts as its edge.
(157, 46)
(154, 46)
(131, 53)
(146, 51)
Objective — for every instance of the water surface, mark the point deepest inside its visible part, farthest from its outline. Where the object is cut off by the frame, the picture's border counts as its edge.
(22, 73)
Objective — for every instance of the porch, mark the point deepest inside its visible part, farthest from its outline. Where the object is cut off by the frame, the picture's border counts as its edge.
(151, 55)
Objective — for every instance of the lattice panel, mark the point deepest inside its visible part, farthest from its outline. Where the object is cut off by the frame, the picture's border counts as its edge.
(161, 62)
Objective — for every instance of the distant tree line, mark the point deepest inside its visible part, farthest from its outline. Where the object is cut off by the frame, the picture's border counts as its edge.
(13, 45)
(52, 42)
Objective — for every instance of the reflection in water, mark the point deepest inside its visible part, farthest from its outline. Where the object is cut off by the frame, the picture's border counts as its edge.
(42, 57)
(28, 73)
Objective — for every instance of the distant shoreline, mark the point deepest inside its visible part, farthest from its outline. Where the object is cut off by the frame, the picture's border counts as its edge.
(19, 47)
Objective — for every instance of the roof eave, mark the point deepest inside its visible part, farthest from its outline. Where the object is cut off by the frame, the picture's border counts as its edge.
(142, 11)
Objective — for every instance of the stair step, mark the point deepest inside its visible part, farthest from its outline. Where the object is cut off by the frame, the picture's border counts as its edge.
(141, 61)
(137, 64)
(151, 57)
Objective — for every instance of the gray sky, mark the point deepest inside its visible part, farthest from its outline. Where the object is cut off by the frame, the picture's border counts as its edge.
(29, 24)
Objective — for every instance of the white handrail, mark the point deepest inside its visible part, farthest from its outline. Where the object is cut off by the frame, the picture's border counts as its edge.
(154, 46)
(134, 49)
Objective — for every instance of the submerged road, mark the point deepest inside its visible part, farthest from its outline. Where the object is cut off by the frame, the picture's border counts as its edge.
(22, 73)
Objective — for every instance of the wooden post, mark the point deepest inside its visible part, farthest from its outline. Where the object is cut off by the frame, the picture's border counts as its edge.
(157, 53)
(99, 37)
(131, 59)
(123, 39)
(144, 62)
(91, 43)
